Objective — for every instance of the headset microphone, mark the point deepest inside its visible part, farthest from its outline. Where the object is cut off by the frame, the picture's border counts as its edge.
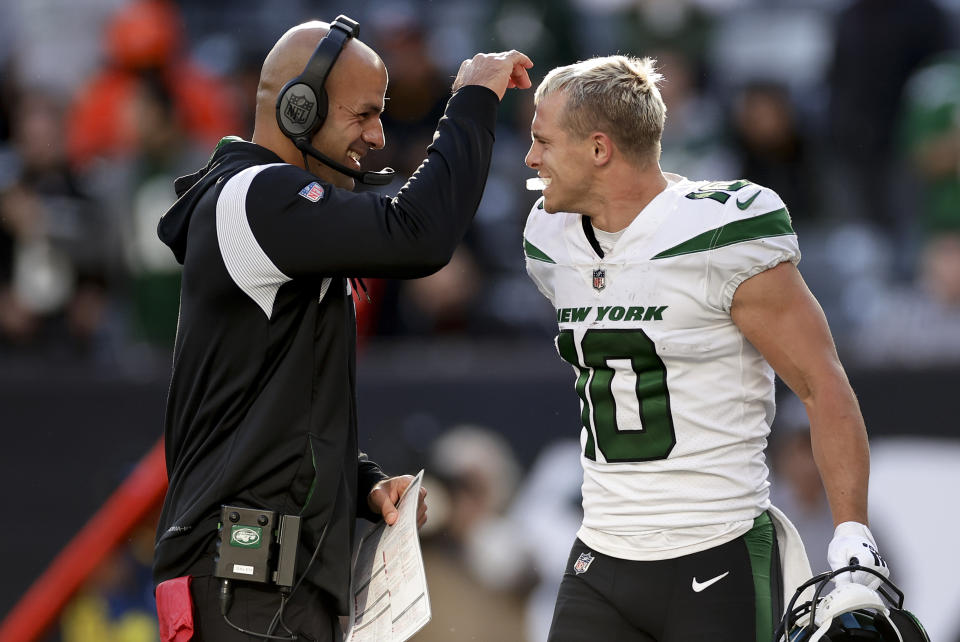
(383, 177)
(302, 104)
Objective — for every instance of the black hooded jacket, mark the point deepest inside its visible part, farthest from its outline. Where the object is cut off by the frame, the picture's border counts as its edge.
(262, 407)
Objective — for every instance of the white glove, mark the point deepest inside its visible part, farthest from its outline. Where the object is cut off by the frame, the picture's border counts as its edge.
(853, 540)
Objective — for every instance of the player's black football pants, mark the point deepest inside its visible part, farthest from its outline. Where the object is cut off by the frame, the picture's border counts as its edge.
(730, 593)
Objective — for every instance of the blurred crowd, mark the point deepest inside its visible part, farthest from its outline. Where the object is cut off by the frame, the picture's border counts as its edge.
(849, 109)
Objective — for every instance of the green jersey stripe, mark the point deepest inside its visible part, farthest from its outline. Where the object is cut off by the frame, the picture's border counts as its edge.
(535, 253)
(776, 223)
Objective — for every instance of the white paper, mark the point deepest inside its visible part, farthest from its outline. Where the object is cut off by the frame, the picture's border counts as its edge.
(389, 585)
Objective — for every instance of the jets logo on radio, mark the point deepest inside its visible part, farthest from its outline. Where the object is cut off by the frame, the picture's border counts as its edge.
(245, 536)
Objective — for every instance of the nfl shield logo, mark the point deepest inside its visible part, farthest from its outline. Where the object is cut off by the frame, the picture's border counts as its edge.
(312, 192)
(298, 108)
(583, 563)
(599, 279)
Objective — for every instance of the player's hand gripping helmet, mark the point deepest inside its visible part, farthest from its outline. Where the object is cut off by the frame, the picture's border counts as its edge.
(851, 612)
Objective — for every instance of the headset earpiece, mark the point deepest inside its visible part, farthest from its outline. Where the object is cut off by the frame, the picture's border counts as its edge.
(298, 110)
(302, 103)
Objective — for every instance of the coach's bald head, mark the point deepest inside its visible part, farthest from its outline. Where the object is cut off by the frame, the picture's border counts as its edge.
(356, 88)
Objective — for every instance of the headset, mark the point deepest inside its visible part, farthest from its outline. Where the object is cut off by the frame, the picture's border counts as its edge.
(302, 103)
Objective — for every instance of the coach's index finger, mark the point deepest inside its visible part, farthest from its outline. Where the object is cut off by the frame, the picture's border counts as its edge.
(495, 71)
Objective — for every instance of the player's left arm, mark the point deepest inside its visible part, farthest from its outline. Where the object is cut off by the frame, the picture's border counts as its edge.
(782, 319)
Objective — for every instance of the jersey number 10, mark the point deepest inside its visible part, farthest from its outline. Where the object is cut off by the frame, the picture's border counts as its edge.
(594, 385)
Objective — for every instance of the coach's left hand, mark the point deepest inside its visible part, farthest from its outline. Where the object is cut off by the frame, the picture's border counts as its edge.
(384, 496)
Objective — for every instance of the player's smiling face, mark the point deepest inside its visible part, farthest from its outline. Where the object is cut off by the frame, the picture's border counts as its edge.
(559, 157)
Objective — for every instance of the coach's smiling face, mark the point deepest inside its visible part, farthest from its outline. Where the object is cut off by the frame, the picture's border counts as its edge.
(356, 90)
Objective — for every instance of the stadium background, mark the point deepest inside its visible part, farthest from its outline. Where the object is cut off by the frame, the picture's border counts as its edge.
(848, 109)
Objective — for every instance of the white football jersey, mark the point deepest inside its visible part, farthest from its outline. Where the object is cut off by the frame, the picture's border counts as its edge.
(676, 404)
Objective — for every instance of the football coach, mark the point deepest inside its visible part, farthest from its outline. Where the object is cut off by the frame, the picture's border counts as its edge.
(261, 416)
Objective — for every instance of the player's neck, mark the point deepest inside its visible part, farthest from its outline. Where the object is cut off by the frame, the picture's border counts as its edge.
(624, 197)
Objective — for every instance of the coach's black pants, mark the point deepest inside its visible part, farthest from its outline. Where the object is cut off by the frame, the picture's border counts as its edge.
(307, 613)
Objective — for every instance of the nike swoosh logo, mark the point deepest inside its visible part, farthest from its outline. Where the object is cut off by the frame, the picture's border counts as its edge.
(699, 586)
(747, 203)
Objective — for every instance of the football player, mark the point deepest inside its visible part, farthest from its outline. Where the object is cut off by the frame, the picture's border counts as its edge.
(676, 302)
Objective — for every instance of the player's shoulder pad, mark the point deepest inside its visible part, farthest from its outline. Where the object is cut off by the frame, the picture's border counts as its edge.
(754, 200)
(745, 198)
(726, 213)
(757, 210)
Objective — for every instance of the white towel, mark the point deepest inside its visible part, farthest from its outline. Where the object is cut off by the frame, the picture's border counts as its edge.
(793, 558)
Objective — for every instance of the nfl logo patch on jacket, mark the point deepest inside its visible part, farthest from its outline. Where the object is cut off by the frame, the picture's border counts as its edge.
(312, 192)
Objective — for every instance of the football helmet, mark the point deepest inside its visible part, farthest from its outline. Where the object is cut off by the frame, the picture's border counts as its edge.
(851, 612)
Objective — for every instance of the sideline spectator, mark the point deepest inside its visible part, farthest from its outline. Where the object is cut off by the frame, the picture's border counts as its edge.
(545, 517)
(917, 325)
(138, 189)
(694, 143)
(877, 45)
(117, 603)
(55, 249)
(931, 140)
(145, 37)
(471, 582)
(772, 147)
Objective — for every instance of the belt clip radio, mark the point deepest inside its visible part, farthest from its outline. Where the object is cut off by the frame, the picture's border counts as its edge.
(256, 546)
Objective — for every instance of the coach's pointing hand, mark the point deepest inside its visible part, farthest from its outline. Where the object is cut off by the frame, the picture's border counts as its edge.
(496, 71)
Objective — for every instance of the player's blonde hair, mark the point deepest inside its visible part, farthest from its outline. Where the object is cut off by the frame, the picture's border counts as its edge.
(617, 95)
